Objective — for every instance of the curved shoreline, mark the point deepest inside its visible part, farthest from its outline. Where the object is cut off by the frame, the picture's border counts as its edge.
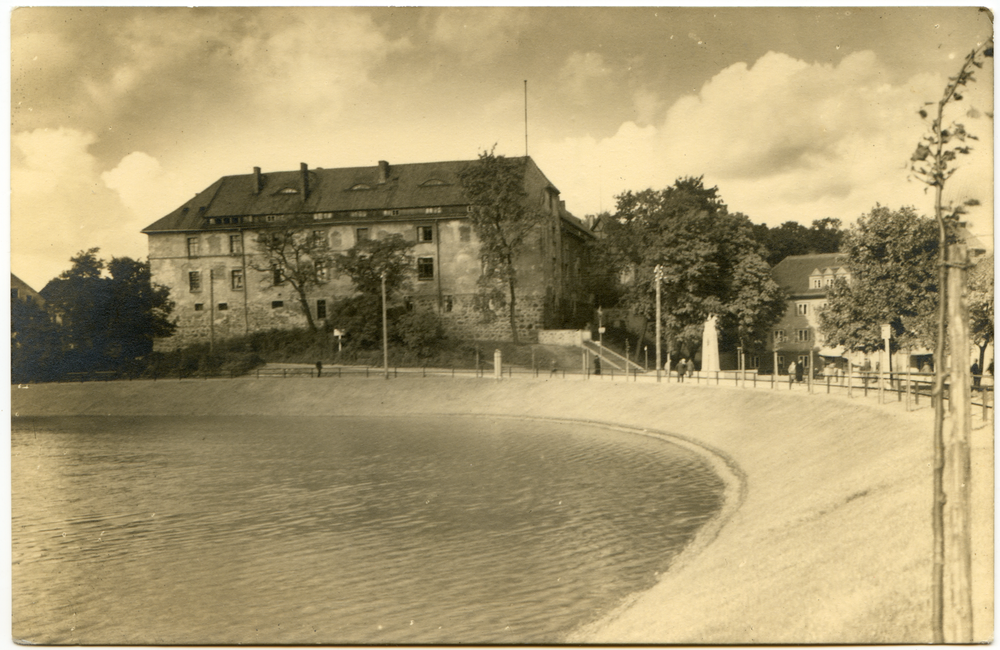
(830, 545)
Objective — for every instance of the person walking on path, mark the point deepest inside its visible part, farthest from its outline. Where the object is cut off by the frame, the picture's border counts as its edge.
(681, 369)
(555, 368)
(319, 368)
(975, 375)
(597, 365)
(799, 369)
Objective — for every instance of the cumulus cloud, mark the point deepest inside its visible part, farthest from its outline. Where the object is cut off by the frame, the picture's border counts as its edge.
(144, 187)
(62, 206)
(784, 140)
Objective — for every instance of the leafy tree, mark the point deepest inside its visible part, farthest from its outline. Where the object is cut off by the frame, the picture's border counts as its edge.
(35, 345)
(792, 238)
(110, 312)
(367, 260)
(502, 220)
(295, 254)
(981, 305)
(365, 263)
(892, 257)
(711, 263)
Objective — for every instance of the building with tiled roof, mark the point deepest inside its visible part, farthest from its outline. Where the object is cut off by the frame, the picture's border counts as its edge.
(806, 280)
(205, 250)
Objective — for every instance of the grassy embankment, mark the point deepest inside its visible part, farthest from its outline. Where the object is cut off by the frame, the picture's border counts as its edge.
(829, 541)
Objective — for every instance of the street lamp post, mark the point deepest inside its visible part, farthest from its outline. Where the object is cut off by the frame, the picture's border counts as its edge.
(658, 277)
(385, 331)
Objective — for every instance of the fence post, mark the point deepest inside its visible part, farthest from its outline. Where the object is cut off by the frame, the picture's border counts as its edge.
(828, 384)
(716, 377)
(850, 378)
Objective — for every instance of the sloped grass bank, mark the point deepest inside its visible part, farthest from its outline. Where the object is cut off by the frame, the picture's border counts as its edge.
(831, 543)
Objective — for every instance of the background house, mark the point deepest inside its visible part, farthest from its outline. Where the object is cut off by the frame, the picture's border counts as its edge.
(19, 290)
(806, 279)
(205, 251)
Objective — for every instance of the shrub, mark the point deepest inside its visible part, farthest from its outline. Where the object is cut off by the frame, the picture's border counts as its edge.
(419, 331)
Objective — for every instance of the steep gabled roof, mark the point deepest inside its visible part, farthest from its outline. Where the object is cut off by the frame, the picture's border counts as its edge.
(346, 189)
(792, 273)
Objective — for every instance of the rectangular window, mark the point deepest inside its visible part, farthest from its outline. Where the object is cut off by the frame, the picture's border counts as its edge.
(425, 233)
(817, 283)
(464, 233)
(781, 363)
(277, 276)
(390, 213)
(358, 213)
(223, 306)
(319, 236)
(277, 304)
(802, 308)
(192, 246)
(425, 268)
(319, 216)
(804, 360)
(236, 279)
(322, 273)
(270, 218)
(801, 335)
(779, 336)
(320, 309)
(198, 306)
(361, 234)
(432, 211)
(235, 244)
(754, 362)
(194, 281)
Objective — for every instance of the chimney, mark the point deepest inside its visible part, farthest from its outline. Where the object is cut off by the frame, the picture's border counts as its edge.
(304, 180)
(383, 172)
(258, 180)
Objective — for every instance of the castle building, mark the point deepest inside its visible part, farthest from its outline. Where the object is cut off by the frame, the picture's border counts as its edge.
(205, 251)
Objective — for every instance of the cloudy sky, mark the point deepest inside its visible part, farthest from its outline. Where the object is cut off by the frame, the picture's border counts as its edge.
(121, 114)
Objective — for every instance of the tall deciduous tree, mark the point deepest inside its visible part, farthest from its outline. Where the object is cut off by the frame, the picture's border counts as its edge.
(710, 260)
(367, 260)
(892, 257)
(294, 253)
(792, 238)
(502, 219)
(110, 312)
(364, 263)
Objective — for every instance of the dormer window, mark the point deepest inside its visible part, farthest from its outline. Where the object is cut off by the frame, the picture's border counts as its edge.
(360, 186)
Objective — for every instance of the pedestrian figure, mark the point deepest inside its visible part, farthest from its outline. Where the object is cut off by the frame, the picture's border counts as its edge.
(319, 368)
(597, 365)
(791, 372)
(555, 368)
(681, 369)
(975, 375)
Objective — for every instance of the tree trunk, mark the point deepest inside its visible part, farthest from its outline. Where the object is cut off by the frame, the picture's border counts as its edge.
(513, 313)
(304, 303)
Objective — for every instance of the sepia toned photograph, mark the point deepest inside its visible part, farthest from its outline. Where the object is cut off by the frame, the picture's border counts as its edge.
(372, 326)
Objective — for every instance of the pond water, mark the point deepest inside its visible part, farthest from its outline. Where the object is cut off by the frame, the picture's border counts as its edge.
(267, 530)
